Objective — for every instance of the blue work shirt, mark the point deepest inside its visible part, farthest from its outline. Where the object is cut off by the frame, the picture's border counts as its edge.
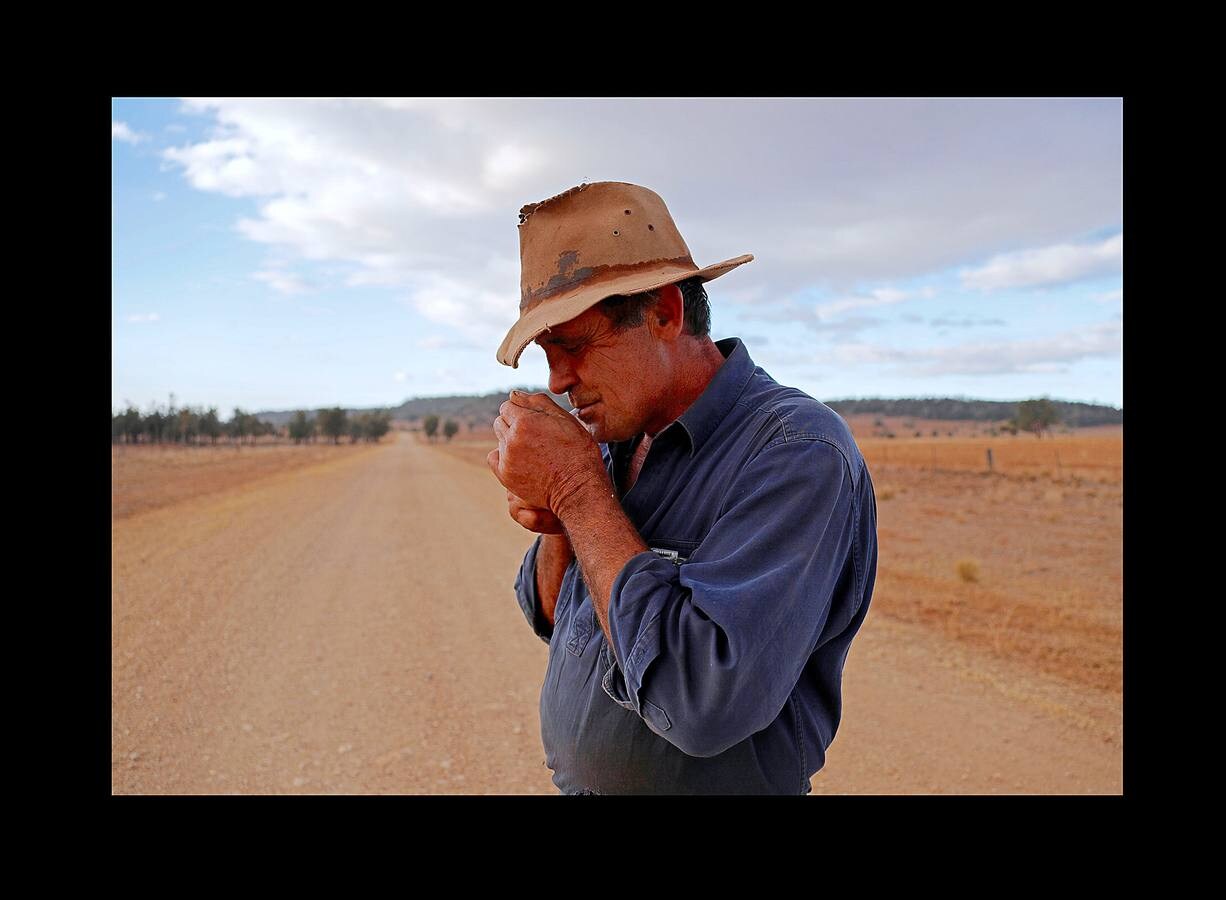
(730, 634)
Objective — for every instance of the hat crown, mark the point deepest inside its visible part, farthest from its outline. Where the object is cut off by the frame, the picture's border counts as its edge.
(594, 233)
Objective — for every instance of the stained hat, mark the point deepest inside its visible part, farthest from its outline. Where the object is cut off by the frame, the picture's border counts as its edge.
(591, 242)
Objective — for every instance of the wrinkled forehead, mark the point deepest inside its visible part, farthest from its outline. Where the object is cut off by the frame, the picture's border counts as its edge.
(590, 321)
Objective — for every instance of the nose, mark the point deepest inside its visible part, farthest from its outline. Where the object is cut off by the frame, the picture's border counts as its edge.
(561, 374)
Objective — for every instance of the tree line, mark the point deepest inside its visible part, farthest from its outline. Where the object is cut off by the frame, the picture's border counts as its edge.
(195, 427)
(430, 425)
(1070, 413)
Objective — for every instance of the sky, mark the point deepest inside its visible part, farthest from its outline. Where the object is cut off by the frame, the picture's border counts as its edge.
(276, 254)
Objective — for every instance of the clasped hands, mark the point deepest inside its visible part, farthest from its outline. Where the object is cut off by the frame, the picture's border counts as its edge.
(545, 459)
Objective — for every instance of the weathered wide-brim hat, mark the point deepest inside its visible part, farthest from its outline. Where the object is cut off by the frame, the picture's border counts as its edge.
(591, 242)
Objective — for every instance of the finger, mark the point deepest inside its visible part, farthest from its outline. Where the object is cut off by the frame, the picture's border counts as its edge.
(493, 459)
(538, 401)
(501, 427)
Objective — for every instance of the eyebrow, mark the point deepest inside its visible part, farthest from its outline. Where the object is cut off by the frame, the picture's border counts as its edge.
(557, 340)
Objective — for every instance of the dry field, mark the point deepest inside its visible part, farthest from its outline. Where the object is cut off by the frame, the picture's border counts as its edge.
(285, 621)
(145, 477)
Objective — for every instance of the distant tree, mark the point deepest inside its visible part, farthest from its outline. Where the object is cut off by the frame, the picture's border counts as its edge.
(1036, 415)
(357, 427)
(126, 426)
(430, 423)
(333, 423)
(377, 425)
(188, 425)
(210, 427)
(300, 427)
(153, 424)
(450, 427)
(236, 428)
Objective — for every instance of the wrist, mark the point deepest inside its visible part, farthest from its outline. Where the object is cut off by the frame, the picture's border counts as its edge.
(586, 495)
(559, 543)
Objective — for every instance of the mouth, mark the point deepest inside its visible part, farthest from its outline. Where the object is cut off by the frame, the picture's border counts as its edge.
(586, 409)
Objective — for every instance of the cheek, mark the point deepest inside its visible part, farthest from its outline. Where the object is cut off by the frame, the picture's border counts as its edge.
(611, 375)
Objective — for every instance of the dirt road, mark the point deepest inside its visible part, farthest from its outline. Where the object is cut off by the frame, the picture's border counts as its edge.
(350, 627)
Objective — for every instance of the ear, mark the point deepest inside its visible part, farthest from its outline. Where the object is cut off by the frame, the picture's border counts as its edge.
(667, 317)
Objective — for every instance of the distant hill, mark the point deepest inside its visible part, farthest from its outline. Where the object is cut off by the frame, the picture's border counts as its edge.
(484, 408)
(462, 408)
(1077, 415)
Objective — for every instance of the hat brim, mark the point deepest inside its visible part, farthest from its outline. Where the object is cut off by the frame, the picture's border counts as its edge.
(557, 310)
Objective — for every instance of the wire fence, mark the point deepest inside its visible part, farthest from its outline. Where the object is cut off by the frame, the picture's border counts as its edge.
(1095, 459)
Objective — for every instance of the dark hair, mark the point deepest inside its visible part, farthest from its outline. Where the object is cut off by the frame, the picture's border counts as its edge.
(628, 311)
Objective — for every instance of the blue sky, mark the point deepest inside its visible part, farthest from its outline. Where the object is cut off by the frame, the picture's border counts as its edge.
(285, 254)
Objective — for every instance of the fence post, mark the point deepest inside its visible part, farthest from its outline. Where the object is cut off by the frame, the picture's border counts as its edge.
(989, 459)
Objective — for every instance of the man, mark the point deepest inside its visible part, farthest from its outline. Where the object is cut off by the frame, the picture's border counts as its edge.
(707, 537)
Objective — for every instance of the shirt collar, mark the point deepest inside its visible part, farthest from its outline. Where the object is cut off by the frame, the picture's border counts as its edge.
(703, 416)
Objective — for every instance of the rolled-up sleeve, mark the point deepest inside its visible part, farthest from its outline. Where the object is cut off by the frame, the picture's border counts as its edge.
(708, 652)
(525, 592)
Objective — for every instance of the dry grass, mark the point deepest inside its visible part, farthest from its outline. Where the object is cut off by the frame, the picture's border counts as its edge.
(968, 570)
(1097, 459)
(145, 477)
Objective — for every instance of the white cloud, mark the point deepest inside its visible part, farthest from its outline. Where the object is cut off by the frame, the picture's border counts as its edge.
(225, 166)
(829, 315)
(1057, 264)
(421, 194)
(159, 196)
(964, 322)
(874, 298)
(143, 317)
(1054, 353)
(508, 164)
(741, 294)
(121, 132)
(282, 281)
(482, 317)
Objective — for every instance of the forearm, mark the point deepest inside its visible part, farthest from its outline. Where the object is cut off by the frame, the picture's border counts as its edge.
(603, 539)
(553, 558)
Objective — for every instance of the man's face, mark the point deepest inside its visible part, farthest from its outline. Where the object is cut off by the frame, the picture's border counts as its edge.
(611, 376)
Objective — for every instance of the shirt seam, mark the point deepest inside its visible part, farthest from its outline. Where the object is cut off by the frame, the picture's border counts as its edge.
(631, 659)
(800, 738)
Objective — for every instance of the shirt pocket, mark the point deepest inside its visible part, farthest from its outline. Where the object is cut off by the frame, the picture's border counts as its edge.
(582, 624)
